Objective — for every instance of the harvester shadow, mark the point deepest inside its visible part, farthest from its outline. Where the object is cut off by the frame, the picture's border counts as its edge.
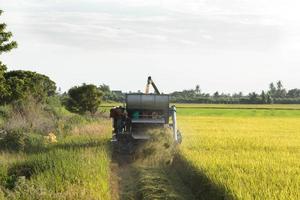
(202, 187)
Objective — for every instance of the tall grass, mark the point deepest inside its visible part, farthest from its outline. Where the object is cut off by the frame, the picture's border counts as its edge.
(77, 167)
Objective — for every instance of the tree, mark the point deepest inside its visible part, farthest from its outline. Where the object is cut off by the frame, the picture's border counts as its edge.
(107, 94)
(5, 43)
(269, 98)
(104, 88)
(5, 46)
(237, 95)
(272, 89)
(279, 85)
(293, 93)
(263, 97)
(197, 89)
(21, 84)
(253, 98)
(85, 98)
(281, 92)
(216, 94)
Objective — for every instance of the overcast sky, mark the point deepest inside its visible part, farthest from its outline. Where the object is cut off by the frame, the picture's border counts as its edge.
(225, 45)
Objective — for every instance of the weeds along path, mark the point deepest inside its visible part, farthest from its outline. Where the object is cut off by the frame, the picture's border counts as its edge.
(148, 174)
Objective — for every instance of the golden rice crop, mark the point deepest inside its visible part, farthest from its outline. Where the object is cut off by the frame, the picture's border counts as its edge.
(251, 157)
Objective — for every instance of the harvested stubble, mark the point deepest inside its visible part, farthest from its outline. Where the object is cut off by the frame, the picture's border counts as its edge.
(155, 178)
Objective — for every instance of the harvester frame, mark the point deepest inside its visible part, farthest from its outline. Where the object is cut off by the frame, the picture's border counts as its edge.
(141, 112)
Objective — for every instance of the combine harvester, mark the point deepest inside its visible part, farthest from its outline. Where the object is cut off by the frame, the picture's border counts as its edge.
(140, 113)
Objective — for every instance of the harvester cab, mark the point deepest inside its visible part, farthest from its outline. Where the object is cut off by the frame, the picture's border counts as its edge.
(140, 113)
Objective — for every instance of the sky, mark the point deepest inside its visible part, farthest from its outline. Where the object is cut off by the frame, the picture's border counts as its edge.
(229, 46)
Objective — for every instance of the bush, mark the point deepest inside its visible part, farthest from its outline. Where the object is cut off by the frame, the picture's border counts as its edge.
(3, 175)
(85, 98)
(29, 115)
(55, 107)
(14, 140)
(34, 143)
(1, 193)
(4, 111)
(22, 84)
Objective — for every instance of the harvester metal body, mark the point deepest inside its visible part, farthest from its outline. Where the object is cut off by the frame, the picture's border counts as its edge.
(141, 112)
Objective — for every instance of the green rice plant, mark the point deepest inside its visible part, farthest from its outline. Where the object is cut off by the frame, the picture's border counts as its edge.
(234, 112)
(241, 106)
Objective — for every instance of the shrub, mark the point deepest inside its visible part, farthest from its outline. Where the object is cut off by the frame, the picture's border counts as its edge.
(55, 107)
(3, 175)
(14, 140)
(29, 115)
(34, 143)
(1, 193)
(22, 84)
(85, 98)
(4, 111)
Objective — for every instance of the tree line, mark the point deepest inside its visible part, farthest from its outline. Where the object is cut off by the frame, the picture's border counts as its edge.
(275, 94)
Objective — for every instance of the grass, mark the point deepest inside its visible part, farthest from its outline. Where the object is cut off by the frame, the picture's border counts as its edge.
(241, 154)
(77, 167)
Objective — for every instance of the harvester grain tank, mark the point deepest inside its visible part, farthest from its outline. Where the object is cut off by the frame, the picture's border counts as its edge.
(140, 113)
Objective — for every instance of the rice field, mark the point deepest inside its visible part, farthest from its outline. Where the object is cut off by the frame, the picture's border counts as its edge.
(227, 153)
(242, 154)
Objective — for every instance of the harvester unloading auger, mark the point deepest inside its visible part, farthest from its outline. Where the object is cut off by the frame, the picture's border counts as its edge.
(141, 113)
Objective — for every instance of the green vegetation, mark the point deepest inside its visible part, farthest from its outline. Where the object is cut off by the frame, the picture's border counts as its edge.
(22, 84)
(233, 112)
(34, 166)
(46, 152)
(278, 95)
(234, 154)
(240, 106)
(77, 167)
(5, 46)
(82, 99)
